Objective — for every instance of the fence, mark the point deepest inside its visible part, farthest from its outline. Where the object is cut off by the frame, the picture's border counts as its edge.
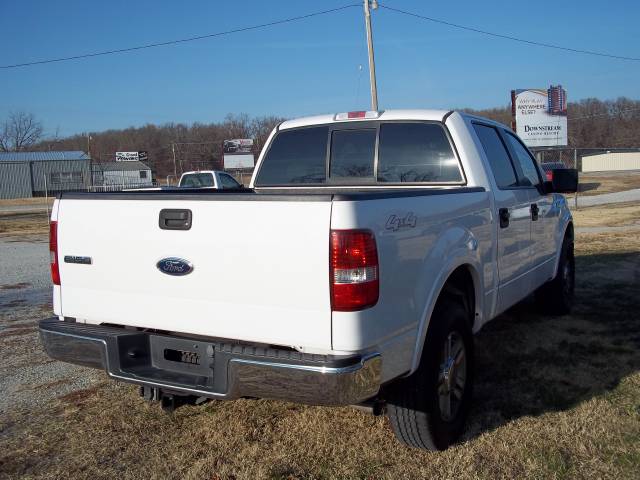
(242, 176)
(588, 160)
(593, 164)
(118, 187)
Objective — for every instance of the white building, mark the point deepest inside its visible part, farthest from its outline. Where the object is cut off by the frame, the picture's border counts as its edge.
(125, 174)
(611, 161)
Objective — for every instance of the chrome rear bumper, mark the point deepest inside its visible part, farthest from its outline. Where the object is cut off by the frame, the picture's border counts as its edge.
(214, 369)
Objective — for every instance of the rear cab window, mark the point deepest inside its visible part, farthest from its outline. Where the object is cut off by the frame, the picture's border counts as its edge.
(416, 153)
(352, 155)
(363, 153)
(197, 180)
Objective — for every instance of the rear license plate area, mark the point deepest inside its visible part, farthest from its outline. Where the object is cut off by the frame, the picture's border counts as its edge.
(181, 355)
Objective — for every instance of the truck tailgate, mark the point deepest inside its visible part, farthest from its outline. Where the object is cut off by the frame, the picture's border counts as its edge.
(260, 267)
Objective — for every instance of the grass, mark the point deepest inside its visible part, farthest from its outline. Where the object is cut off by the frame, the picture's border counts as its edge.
(23, 225)
(35, 202)
(596, 184)
(613, 215)
(555, 398)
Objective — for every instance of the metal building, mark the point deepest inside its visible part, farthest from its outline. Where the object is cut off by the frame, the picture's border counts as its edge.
(28, 174)
(611, 161)
(110, 175)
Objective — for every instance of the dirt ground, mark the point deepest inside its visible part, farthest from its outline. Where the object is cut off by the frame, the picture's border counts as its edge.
(555, 397)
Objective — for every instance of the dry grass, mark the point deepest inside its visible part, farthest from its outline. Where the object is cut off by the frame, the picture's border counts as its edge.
(613, 215)
(591, 184)
(35, 202)
(23, 225)
(555, 398)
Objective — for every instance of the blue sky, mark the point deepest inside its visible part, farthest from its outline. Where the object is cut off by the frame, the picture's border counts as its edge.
(301, 68)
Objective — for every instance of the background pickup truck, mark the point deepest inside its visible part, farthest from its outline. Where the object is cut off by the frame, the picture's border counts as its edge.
(368, 249)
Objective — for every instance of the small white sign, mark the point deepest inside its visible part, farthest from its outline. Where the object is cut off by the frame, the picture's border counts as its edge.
(126, 156)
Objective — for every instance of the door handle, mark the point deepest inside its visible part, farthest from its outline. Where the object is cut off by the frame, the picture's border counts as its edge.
(534, 212)
(503, 214)
(174, 219)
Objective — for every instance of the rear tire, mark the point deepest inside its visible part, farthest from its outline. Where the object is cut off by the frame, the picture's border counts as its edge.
(428, 409)
(556, 296)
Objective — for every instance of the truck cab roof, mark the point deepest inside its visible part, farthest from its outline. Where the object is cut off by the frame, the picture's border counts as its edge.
(381, 115)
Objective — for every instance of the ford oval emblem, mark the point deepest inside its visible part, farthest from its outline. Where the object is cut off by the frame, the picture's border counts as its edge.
(175, 266)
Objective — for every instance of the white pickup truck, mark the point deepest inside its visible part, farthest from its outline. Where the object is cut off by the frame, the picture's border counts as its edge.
(368, 250)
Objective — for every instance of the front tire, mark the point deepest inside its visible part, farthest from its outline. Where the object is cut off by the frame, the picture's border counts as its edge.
(557, 295)
(428, 409)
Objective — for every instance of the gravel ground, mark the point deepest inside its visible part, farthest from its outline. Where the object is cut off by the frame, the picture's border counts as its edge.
(27, 375)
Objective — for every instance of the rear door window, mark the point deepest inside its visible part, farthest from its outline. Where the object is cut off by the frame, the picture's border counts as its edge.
(499, 160)
(528, 175)
(228, 181)
(416, 152)
(352, 155)
(296, 157)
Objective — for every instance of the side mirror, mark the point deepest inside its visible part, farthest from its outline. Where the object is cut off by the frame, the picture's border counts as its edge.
(565, 180)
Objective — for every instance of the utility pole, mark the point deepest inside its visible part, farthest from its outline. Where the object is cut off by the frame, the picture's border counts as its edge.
(368, 6)
(175, 170)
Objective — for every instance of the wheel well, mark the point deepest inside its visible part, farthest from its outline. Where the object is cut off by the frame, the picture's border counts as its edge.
(461, 284)
(569, 231)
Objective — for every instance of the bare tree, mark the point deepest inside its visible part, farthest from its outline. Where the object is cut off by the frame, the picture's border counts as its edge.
(19, 132)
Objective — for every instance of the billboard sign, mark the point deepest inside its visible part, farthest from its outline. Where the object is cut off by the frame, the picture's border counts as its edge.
(540, 116)
(237, 153)
(131, 156)
(238, 145)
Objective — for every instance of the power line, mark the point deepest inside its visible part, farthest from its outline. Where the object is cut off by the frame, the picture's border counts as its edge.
(508, 37)
(182, 40)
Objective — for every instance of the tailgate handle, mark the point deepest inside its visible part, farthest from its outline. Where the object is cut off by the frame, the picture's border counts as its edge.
(175, 219)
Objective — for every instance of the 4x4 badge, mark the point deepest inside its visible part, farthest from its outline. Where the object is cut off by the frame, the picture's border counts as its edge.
(395, 223)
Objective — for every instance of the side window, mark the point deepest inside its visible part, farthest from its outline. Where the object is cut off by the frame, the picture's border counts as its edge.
(352, 153)
(416, 152)
(497, 155)
(530, 176)
(228, 181)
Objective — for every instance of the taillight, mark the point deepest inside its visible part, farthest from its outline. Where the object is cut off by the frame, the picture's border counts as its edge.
(353, 270)
(53, 251)
(550, 176)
